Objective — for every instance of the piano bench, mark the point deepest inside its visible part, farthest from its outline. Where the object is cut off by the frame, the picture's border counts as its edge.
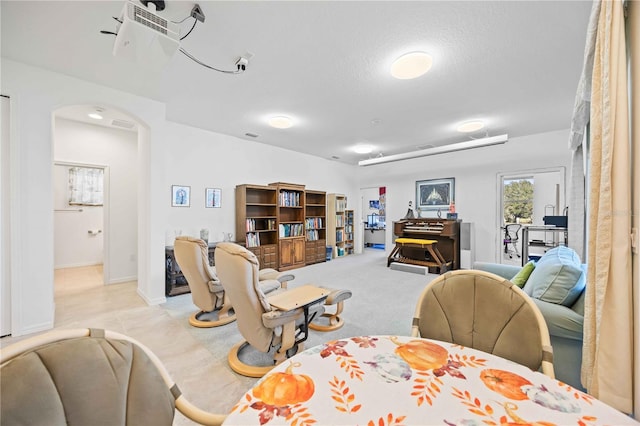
(430, 246)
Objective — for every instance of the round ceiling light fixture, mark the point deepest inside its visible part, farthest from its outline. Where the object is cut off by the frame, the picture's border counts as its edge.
(280, 122)
(363, 149)
(97, 114)
(411, 65)
(471, 126)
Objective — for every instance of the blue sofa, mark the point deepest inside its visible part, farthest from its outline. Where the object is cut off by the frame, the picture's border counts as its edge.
(565, 320)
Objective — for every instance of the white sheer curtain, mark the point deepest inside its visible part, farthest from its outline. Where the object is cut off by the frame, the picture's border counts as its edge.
(579, 122)
(86, 186)
(607, 364)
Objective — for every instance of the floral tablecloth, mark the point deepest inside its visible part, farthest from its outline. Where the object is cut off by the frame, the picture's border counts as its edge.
(389, 380)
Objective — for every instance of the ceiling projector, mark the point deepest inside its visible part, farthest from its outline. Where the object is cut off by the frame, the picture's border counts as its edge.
(143, 36)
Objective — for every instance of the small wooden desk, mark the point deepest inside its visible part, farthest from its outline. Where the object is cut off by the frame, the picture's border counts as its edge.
(435, 259)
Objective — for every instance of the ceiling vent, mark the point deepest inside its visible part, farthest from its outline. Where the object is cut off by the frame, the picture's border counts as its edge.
(143, 36)
(123, 123)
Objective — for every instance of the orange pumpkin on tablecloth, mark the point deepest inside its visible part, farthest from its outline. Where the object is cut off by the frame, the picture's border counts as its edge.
(422, 355)
(286, 388)
(506, 383)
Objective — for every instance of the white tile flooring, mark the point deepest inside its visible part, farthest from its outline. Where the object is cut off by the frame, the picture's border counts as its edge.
(82, 301)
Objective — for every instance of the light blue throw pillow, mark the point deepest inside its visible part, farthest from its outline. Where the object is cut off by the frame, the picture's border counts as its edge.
(557, 278)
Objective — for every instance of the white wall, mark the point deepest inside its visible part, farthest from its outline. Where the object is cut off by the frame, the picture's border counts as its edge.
(83, 143)
(475, 172)
(168, 153)
(205, 159)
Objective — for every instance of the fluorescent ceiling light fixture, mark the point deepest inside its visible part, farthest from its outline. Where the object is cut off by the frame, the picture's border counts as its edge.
(363, 149)
(95, 115)
(280, 122)
(471, 126)
(477, 143)
(411, 65)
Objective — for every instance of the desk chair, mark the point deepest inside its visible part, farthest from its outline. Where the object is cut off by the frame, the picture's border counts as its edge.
(483, 311)
(89, 377)
(511, 238)
(264, 327)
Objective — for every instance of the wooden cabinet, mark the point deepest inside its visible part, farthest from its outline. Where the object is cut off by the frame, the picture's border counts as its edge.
(292, 253)
(315, 222)
(267, 255)
(290, 222)
(336, 206)
(256, 222)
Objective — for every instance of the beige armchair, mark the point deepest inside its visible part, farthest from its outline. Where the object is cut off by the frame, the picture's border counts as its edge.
(89, 377)
(206, 290)
(264, 327)
(483, 311)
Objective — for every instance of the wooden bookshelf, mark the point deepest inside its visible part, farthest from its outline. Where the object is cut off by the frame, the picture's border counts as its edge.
(290, 217)
(315, 223)
(256, 222)
(348, 231)
(336, 206)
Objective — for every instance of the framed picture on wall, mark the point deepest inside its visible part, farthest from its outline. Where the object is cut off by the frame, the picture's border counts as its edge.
(435, 194)
(212, 197)
(180, 196)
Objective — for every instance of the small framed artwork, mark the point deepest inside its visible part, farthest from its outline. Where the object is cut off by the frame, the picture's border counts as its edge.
(180, 196)
(212, 197)
(435, 194)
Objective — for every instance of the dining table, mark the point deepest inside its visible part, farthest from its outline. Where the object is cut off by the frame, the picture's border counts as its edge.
(402, 380)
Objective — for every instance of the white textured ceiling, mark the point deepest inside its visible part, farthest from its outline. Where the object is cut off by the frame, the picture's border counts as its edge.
(514, 64)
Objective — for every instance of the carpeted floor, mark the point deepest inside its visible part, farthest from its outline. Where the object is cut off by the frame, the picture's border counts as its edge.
(383, 303)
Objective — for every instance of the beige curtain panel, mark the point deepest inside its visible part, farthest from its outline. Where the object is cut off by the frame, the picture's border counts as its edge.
(607, 367)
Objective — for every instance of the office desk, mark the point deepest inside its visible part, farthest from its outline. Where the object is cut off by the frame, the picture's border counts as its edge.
(411, 381)
(374, 236)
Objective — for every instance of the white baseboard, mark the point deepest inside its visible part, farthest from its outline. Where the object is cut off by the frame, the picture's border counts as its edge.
(123, 279)
(77, 265)
(151, 302)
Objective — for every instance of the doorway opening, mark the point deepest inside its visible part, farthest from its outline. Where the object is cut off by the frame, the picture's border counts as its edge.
(373, 218)
(94, 244)
(526, 197)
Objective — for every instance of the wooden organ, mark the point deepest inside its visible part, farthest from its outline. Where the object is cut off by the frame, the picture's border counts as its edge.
(446, 232)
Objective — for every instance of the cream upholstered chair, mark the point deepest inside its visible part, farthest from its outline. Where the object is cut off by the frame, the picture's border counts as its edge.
(192, 255)
(89, 377)
(483, 311)
(264, 327)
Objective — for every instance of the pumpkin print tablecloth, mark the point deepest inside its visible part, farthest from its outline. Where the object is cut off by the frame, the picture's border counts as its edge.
(389, 380)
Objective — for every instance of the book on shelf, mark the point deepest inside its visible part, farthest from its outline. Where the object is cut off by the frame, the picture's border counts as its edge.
(313, 223)
(339, 220)
(339, 235)
(290, 230)
(289, 199)
(253, 239)
(313, 235)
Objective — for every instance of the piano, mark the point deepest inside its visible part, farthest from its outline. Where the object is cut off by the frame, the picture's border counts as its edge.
(445, 231)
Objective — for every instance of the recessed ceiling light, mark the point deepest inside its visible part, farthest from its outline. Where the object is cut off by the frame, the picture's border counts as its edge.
(362, 149)
(280, 122)
(411, 65)
(95, 115)
(471, 126)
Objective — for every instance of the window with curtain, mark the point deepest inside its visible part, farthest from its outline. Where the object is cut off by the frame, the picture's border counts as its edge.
(86, 186)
